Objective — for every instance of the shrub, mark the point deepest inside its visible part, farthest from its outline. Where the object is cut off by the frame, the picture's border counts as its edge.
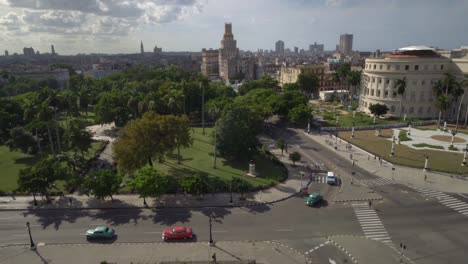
(404, 136)
(424, 145)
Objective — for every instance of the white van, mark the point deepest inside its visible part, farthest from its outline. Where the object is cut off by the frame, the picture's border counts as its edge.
(331, 178)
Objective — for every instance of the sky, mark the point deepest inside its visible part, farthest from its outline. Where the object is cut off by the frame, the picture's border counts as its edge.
(118, 26)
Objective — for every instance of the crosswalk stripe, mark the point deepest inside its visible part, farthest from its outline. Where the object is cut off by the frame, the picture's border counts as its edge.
(445, 199)
(460, 206)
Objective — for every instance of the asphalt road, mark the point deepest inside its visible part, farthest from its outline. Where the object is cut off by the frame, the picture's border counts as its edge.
(432, 232)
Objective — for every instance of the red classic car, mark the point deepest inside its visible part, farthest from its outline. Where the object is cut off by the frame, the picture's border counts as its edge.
(177, 232)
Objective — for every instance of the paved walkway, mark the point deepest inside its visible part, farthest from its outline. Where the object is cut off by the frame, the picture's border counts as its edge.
(282, 191)
(233, 252)
(368, 251)
(408, 176)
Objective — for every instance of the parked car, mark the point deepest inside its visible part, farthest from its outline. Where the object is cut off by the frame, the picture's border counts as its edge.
(100, 232)
(177, 232)
(314, 199)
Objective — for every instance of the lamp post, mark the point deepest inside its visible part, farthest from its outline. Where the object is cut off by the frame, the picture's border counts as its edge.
(352, 131)
(392, 151)
(409, 130)
(215, 139)
(230, 189)
(211, 236)
(32, 245)
(464, 155)
(393, 173)
(336, 139)
(308, 126)
(203, 108)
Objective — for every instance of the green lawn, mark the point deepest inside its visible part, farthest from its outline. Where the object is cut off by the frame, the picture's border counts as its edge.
(11, 162)
(199, 159)
(444, 161)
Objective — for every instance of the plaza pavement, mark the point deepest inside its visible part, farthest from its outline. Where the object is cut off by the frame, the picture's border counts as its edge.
(405, 175)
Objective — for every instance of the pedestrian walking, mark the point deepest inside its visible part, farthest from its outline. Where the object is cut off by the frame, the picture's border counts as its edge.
(353, 162)
(70, 201)
(370, 203)
(375, 157)
(214, 257)
(425, 177)
(380, 162)
(368, 157)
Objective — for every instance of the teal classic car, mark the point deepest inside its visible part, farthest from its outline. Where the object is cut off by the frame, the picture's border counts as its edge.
(100, 232)
(314, 199)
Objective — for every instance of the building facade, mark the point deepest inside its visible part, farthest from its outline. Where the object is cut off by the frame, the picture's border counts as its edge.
(290, 74)
(346, 44)
(210, 62)
(230, 64)
(316, 48)
(279, 46)
(422, 67)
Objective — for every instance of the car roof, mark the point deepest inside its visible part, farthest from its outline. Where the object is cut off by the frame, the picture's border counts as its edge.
(178, 228)
(101, 228)
(314, 195)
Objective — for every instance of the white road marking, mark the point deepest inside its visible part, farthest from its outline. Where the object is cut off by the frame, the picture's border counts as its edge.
(219, 231)
(283, 230)
(463, 195)
(331, 261)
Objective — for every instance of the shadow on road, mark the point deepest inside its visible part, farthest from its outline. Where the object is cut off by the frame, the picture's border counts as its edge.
(103, 240)
(171, 216)
(120, 217)
(217, 214)
(258, 208)
(54, 214)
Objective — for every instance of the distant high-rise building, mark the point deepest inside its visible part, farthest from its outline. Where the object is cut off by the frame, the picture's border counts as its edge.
(142, 50)
(157, 50)
(229, 65)
(346, 44)
(52, 49)
(296, 50)
(279, 46)
(28, 51)
(6, 52)
(316, 48)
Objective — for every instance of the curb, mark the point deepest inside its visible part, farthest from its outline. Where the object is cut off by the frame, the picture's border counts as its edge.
(358, 200)
(154, 207)
(353, 260)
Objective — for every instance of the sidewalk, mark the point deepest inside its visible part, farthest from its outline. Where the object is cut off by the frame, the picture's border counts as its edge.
(404, 175)
(367, 251)
(290, 187)
(233, 252)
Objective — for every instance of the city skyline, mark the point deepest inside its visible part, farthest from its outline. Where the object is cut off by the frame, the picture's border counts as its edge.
(100, 26)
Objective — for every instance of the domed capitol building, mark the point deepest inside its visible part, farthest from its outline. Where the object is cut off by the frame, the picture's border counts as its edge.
(422, 67)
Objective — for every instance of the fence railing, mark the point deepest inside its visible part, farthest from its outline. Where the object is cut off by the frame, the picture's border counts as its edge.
(385, 126)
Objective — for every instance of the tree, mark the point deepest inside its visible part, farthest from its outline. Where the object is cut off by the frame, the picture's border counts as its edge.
(281, 144)
(77, 137)
(308, 83)
(300, 114)
(378, 109)
(152, 136)
(295, 157)
(101, 184)
(194, 184)
(355, 80)
(21, 140)
(179, 128)
(287, 101)
(41, 177)
(237, 132)
(400, 85)
(291, 87)
(149, 183)
(240, 185)
(10, 117)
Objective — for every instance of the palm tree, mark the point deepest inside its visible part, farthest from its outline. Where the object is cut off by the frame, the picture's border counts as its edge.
(55, 100)
(44, 114)
(29, 114)
(336, 79)
(400, 85)
(462, 85)
(174, 100)
(354, 80)
(446, 91)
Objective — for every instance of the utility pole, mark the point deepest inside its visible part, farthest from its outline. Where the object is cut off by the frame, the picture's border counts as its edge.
(211, 236)
(203, 107)
(215, 137)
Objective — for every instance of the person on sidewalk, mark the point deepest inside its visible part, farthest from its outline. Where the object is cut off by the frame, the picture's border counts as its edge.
(370, 203)
(425, 177)
(214, 258)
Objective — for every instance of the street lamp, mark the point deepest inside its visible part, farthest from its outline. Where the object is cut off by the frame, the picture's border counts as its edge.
(336, 139)
(308, 126)
(392, 151)
(352, 130)
(230, 189)
(464, 155)
(32, 245)
(211, 236)
(393, 173)
(426, 164)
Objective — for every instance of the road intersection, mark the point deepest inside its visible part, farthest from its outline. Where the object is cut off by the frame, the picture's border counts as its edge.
(432, 224)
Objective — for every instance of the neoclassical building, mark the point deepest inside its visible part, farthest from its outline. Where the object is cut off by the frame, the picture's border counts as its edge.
(422, 67)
